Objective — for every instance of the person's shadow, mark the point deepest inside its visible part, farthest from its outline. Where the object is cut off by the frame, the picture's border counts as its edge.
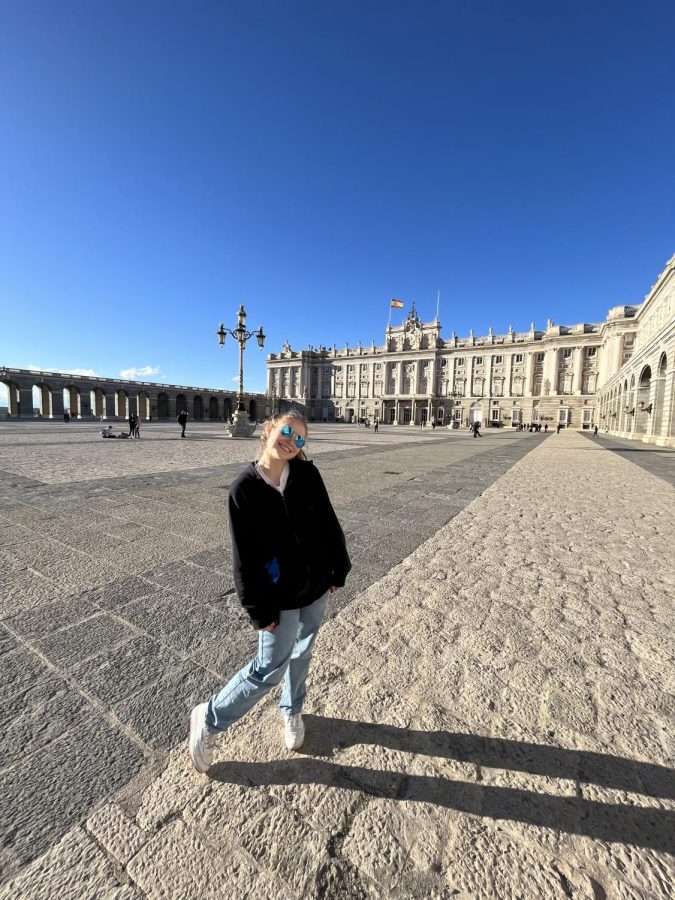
(640, 826)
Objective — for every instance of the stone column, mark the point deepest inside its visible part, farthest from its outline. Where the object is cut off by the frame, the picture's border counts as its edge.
(548, 373)
(12, 400)
(56, 411)
(668, 419)
(577, 370)
(26, 402)
(529, 372)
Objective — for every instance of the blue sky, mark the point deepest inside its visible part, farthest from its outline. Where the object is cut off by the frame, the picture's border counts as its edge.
(162, 163)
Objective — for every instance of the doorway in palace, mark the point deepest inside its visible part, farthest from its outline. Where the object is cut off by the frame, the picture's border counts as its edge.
(476, 413)
(424, 415)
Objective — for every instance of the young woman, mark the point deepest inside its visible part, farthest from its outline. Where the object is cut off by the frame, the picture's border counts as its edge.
(288, 554)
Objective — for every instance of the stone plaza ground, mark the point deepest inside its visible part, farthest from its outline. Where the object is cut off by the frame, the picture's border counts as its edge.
(491, 704)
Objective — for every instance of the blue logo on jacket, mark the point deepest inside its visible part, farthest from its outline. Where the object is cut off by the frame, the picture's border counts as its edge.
(273, 570)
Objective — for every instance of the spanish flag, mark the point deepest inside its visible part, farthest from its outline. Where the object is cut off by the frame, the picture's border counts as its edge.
(397, 304)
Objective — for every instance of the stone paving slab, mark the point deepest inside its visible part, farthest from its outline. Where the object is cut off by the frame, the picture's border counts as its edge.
(490, 718)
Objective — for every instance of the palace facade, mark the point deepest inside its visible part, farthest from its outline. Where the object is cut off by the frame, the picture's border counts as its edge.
(577, 376)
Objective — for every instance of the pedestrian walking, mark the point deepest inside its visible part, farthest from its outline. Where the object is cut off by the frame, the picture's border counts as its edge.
(377, 425)
(137, 426)
(476, 429)
(132, 424)
(557, 431)
(182, 418)
(288, 555)
(545, 427)
(595, 431)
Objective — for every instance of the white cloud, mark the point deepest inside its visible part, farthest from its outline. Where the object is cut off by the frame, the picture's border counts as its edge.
(3, 394)
(138, 374)
(63, 371)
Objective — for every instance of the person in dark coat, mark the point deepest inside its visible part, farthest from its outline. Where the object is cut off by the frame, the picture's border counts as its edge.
(476, 429)
(182, 418)
(289, 555)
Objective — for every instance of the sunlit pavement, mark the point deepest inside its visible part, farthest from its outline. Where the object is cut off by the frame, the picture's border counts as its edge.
(490, 699)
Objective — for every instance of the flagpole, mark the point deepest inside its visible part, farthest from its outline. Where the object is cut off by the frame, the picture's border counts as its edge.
(438, 304)
(389, 322)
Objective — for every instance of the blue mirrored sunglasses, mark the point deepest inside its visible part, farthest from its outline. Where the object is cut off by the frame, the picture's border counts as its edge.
(298, 440)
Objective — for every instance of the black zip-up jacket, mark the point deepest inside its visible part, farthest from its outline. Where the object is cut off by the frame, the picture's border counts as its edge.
(287, 550)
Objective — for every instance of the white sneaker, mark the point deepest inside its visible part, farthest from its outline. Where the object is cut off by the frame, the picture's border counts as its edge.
(202, 741)
(294, 732)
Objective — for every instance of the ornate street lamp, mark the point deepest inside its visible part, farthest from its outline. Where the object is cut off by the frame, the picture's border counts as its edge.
(241, 426)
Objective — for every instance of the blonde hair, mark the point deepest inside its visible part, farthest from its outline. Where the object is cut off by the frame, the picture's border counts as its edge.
(274, 421)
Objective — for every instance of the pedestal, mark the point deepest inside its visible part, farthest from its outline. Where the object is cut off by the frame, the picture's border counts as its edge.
(241, 427)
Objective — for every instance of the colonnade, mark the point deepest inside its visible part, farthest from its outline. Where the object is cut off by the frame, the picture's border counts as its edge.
(88, 397)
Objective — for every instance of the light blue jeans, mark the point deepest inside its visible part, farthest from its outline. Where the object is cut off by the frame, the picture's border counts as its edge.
(283, 653)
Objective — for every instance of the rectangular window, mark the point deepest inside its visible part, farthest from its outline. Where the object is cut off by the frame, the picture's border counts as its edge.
(540, 357)
(350, 368)
(591, 351)
(479, 360)
(364, 367)
(444, 363)
(440, 415)
(406, 415)
(378, 366)
(499, 360)
(518, 358)
(325, 391)
(516, 416)
(567, 352)
(326, 370)
(460, 361)
(494, 414)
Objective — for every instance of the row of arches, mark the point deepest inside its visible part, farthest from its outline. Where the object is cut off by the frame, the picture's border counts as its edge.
(74, 402)
(640, 405)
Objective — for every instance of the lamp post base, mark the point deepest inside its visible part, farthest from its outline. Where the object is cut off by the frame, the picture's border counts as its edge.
(241, 427)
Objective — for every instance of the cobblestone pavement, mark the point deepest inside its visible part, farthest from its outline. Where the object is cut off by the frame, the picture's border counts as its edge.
(491, 703)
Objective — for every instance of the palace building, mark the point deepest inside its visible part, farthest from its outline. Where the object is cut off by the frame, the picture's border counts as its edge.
(617, 374)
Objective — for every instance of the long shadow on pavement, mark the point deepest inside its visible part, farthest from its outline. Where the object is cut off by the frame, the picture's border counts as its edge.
(625, 823)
